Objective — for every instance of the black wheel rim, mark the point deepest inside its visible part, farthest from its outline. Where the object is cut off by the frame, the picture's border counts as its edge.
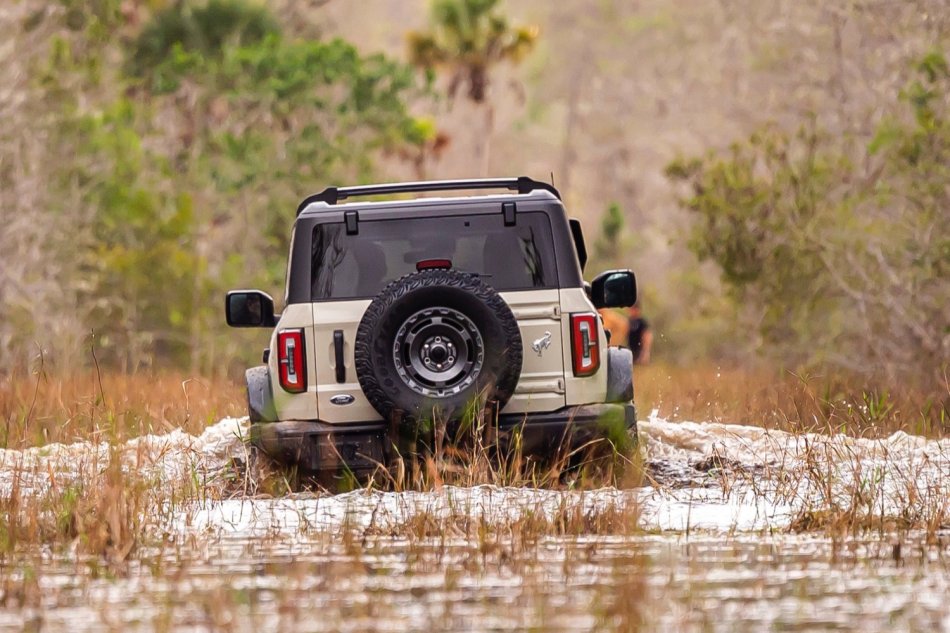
(438, 352)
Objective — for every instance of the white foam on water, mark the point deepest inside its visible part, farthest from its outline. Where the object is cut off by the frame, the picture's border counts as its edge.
(701, 475)
(381, 511)
(758, 446)
(165, 457)
(360, 510)
(704, 476)
(897, 475)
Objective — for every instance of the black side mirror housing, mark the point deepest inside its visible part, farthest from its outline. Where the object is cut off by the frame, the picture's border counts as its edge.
(614, 289)
(249, 308)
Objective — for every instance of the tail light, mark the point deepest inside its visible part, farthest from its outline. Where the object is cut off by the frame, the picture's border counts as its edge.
(290, 361)
(585, 344)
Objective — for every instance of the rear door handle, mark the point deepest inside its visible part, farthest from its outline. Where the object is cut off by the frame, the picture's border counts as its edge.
(338, 356)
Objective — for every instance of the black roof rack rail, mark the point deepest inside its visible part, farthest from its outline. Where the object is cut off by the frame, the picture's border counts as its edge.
(522, 184)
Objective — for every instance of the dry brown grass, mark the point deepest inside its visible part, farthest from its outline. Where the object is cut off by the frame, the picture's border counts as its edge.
(102, 508)
(825, 404)
(42, 408)
(821, 402)
(478, 457)
(112, 516)
(103, 515)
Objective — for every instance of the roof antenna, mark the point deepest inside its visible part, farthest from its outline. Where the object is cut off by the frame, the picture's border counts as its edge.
(552, 179)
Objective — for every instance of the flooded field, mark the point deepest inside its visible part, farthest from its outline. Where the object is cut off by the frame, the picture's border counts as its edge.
(735, 529)
(311, 582)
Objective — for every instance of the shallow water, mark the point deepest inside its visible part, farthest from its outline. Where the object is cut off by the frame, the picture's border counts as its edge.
(714, 553)
(662, 582)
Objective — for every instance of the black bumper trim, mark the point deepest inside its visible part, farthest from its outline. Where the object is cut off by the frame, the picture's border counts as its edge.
(318, 446)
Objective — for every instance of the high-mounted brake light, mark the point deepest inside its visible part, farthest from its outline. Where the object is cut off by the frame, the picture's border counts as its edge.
(427, 264)
(585, 346)
(290, 361)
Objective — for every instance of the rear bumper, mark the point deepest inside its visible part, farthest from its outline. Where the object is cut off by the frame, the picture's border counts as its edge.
(317, 446)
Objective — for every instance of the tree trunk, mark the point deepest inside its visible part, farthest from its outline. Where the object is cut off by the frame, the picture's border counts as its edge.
(484, 144)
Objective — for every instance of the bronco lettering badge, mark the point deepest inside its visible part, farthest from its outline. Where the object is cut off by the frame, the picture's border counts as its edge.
(542, 343)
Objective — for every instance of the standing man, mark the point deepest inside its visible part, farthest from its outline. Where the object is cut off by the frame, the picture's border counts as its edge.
(639, 336)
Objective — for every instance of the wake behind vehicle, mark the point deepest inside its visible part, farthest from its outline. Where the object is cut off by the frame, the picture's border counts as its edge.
(403, 313)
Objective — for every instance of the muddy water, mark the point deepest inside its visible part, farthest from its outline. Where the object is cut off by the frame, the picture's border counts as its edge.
(715, 553)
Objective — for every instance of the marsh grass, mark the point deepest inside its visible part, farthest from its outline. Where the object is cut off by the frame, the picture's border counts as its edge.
(858, 507)
(479, 454)
(846, 497)
(40, 407)
(821, 402)
(103, 500)
(102, 514)
(43, 408)
(113, 508)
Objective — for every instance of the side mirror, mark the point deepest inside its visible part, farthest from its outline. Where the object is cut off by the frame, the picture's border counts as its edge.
(249, 308)
(614, 289)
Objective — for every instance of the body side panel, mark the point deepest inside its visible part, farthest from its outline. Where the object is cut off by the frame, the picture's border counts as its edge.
(540, 388)
(541, 385)
(590, 389)
(329, 317)
(295, 406)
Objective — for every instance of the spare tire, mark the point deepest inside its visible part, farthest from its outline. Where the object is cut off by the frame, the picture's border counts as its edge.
(435, 342)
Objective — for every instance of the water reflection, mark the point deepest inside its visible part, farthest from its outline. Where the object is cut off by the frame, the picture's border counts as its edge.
(315, 582)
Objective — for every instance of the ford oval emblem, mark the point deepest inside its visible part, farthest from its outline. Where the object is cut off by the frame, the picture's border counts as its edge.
(342, 398)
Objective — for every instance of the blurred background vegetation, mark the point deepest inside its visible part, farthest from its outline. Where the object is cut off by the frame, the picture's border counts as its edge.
(775, 171)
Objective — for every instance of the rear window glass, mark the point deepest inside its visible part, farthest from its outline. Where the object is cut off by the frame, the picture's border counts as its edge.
(359, 266)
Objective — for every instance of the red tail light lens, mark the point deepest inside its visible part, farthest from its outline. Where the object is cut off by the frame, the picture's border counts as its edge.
(585, 344)
(290, 361)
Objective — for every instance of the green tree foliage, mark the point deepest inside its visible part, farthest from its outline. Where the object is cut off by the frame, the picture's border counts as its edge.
(185, 146)
(139, 263)
(610, 247)
(467, 38)
(839, 250)
(202, 30)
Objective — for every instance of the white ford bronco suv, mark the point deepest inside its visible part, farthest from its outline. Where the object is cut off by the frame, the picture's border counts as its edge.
(403, 311)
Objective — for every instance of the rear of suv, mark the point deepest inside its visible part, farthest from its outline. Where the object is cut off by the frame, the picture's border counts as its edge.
(401, 313)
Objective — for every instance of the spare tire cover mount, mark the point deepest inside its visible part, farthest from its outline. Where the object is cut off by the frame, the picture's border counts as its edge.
(438, 352)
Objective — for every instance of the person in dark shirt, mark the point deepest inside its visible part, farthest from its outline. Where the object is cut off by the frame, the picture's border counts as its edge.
(639, 336)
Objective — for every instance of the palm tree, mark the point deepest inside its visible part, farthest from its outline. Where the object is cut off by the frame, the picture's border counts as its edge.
(466, 38)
